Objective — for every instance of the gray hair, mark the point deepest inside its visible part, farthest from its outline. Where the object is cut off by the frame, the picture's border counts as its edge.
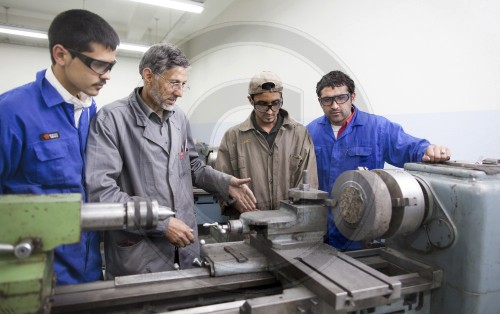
(163, 57)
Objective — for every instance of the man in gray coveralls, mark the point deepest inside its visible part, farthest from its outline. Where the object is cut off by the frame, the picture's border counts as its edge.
(141, 148)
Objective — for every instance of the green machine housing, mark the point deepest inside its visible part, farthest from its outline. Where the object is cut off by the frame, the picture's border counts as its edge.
(28, 235)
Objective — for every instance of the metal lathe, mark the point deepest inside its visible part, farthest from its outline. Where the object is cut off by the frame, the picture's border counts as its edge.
(435, 226)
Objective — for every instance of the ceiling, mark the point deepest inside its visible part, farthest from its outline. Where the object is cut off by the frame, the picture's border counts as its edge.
(135, 23)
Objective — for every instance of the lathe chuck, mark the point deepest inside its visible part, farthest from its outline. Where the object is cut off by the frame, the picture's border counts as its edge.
(377, 203)
(363, 208)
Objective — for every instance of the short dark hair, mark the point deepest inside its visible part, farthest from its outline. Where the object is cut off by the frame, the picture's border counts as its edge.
(335, 79)
(163, 57)
(77, 29)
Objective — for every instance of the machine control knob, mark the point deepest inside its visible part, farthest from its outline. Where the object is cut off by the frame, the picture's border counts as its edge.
(23, 249)
(221, 228)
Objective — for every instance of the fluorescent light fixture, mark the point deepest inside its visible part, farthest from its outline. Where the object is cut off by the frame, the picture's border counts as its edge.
(189, 6)
(131, 47)
(42, 35)
(22, 32)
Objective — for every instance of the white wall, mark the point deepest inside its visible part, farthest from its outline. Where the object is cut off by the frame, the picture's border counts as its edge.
(424, 53)
(19, 65)
(432, 66)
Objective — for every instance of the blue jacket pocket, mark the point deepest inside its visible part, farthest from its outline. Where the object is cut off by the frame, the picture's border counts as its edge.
(359, 151)
(50, 164)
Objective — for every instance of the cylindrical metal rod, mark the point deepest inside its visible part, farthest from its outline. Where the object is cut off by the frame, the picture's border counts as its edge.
(133, 215)
(237, 226)
(102, 216)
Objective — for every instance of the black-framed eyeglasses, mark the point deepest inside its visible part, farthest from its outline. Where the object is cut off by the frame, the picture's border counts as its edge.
(339, 99)
(98, 66)
(262, 106)
(176, 84)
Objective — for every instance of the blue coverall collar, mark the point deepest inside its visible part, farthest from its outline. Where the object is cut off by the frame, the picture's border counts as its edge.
(50, 95)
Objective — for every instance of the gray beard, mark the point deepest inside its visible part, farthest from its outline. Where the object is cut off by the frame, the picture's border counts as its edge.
(167, 107)
(155, 95)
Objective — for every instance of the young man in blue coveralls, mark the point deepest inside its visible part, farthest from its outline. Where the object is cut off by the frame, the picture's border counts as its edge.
(346, 138)
(44, 126)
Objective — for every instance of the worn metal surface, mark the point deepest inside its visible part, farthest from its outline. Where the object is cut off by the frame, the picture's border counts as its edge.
(292, 224)
(297, 194)
(461, 232)
(334, 277)
(223, 263)
(185, 291)
(281, 219)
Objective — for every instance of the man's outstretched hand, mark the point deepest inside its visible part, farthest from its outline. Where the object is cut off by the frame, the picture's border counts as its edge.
(244, 200)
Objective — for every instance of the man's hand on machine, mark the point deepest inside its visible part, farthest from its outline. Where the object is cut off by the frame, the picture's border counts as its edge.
(178, 233)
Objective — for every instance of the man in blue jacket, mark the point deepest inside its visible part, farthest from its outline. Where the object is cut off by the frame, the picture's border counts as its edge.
(44, 126)
(346, 138)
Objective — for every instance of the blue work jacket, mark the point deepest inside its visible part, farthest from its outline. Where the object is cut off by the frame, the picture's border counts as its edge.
(368, 141)
(42, 152)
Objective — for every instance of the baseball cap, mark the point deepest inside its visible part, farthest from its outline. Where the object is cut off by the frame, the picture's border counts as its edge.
(255, 86)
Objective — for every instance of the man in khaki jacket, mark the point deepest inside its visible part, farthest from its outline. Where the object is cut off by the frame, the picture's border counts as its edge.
(269, 146)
